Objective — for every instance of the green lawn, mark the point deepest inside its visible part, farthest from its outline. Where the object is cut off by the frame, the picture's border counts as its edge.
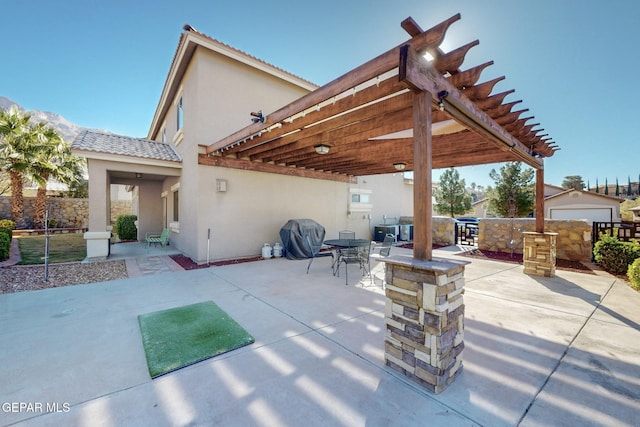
(62, 248)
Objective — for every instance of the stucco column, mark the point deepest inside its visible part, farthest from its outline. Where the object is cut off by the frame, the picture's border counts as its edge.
(97, 237)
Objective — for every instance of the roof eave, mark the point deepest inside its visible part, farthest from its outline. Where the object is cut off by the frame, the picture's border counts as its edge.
(121, 158)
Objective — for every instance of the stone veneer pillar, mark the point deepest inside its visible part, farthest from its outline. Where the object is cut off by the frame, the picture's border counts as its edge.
(539, 253)
(424, 320)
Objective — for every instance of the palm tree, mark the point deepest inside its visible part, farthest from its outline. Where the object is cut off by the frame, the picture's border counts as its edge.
(16, 155)
(54, 160)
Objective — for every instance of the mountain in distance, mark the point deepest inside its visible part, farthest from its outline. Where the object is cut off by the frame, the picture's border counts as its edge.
(67, 130)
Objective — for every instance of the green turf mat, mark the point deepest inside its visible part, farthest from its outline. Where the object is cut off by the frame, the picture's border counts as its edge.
(182, 336)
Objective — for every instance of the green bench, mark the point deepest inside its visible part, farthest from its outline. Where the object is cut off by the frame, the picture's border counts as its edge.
(155, 238)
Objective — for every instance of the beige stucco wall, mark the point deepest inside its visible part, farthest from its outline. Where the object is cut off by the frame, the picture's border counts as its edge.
(149, 208)
(391, 198)
(255, 207)
(218, 95)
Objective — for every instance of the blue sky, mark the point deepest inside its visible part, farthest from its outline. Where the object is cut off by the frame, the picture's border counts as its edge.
(574, 63)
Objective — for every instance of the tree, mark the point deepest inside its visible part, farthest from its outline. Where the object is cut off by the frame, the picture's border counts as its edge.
(625, 213)
(597, 186)
(53, 160)
(513, 195)
(573, 181)
(35, 152)
(606, 186)
(5, 182)
(78, 189)
(452, 197)
(617, 188)
(16, 155)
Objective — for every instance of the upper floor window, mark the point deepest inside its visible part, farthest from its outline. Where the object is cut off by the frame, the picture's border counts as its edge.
(179, 115)
(176, 205)
(164, 134)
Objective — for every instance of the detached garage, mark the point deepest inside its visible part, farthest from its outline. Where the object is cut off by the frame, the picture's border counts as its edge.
(574, 204)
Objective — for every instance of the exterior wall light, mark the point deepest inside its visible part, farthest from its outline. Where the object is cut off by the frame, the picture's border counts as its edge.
(322, 149)
(441, 96)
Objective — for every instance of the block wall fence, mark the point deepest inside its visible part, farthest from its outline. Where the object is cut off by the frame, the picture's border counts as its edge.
(70, 213)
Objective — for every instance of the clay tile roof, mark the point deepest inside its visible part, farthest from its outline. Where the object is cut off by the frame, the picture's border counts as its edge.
(99, 142)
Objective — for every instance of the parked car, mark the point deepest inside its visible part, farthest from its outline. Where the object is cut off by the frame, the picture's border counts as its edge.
(468, 225)
(468, 219)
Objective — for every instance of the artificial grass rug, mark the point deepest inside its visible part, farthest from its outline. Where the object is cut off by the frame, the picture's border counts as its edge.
(182, 336)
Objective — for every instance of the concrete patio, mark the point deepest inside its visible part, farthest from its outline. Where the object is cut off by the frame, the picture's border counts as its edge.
(559, 351)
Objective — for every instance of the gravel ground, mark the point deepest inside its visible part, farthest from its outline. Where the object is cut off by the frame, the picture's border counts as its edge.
(30, 278)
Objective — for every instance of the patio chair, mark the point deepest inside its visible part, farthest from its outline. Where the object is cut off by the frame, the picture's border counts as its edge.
(315, 252)
(346, 234)
(354, 255)
(379, 252)
(157, 238)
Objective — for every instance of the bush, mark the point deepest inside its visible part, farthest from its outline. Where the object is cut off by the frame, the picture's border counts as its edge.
(613, 255)
(7, 223)
(5, 245)
(126, 227)
(634, 274)
(7, 232)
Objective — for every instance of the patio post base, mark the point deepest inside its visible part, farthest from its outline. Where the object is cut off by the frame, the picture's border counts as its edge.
(539, 253)
(424, 319)
(97, 244)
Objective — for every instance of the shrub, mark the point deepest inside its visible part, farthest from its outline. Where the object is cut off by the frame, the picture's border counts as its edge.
(5, 245)
(614, 255)
(7, 232)
(7, 223)
(126, 227)
(633, 273)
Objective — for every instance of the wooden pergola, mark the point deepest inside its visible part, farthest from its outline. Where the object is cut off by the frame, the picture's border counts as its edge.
(399, 111)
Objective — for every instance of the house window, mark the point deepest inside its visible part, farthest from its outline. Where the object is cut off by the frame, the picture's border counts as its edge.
(164, 134)
(165, 220)
(176, 205)
(359, 200)
(179, 115)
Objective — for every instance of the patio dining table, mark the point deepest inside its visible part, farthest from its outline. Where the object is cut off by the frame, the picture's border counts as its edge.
(347, 243)
(339, 244)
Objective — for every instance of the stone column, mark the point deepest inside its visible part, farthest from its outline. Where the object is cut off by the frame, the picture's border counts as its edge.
(424, 320)
(539, 253)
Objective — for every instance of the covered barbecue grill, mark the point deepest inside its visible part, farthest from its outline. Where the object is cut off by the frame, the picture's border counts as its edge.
(294, 237)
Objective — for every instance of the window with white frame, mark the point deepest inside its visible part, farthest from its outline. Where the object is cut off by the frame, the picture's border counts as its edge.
(176, 205)
(174, 210)
(360, 200)
(179, 114)
(165, 212)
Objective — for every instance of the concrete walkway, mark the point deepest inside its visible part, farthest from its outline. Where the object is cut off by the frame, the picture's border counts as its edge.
(561, 351)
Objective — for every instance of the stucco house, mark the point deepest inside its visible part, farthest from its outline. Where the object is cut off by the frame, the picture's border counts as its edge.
(211, 91)
(563, 203)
